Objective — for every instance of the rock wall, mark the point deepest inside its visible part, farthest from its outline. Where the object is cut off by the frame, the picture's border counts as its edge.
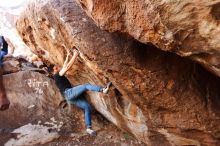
(30, 92)
(34, 100)
(189, 28)
(32, 83)
(159, 97)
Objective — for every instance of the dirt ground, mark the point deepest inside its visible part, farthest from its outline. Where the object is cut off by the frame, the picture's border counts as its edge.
(67, 123)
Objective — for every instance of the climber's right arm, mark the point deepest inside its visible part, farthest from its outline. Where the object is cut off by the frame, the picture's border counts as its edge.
(67, 59)
(67, 66)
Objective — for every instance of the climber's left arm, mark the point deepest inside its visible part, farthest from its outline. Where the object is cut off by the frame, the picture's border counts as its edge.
(67, 66)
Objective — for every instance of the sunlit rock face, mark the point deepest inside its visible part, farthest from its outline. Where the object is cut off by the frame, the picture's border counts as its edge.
(189, 28)
(159, 97)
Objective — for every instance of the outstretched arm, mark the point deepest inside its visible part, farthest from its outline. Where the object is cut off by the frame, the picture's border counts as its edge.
(67, 59)
(66, 65)
(75, 54)
(10, 45)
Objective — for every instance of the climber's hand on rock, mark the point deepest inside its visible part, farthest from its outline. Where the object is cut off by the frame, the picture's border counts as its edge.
(76, 52)
(67, 64)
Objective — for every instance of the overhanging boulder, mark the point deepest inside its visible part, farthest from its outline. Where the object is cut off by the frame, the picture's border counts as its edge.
(189, 28)
(159, 97)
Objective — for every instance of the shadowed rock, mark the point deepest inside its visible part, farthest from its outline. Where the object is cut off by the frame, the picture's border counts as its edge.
(189, 28)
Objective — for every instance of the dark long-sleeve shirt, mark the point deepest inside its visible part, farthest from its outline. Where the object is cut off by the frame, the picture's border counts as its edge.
(62, 82)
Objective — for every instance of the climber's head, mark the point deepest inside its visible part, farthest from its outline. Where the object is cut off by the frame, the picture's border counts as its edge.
(54, 69)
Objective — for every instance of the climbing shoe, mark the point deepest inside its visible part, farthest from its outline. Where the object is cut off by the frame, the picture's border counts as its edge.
(91, 132)
(106, 89)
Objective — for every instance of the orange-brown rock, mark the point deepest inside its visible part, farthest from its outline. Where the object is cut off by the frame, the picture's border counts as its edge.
(159, 97)
(189, 28)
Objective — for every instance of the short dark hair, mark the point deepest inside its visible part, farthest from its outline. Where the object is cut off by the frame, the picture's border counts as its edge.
(50, 68)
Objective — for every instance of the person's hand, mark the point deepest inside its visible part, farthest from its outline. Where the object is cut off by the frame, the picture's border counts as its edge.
(76, 52)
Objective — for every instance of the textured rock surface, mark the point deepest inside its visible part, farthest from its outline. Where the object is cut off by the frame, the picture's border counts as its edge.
(159, 97)
(12, 65)
(23, 80)
(187, 27)
(33, 96)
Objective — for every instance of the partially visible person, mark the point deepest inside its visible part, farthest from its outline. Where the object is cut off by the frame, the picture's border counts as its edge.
(72, 94)
(4, 43)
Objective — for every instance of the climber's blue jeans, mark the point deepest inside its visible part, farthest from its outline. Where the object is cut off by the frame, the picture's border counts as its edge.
(2, 54)
(72, 95)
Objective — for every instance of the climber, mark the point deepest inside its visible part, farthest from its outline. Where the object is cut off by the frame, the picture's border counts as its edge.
(4, 43)
(72, 94)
